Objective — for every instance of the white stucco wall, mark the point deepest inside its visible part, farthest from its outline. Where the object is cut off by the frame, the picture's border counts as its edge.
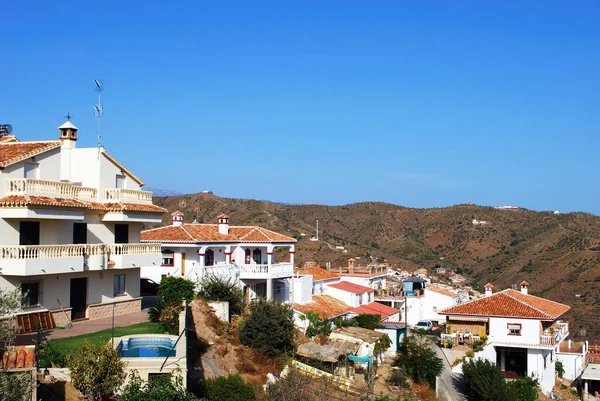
(572, 363)
(100, 286)
(433, 301)
(530, 330)
(302, 291)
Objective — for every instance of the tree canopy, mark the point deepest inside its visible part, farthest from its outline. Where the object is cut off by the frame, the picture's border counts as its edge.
(269, 328)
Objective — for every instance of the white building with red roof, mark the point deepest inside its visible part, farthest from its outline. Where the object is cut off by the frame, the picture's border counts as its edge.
(70, 223)
(523, 331)
(350, 293)
(245, 254)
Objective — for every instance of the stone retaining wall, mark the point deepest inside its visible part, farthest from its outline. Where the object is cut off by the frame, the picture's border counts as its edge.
(99, 311)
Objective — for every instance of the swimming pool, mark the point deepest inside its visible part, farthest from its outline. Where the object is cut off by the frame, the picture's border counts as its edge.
(146, 347)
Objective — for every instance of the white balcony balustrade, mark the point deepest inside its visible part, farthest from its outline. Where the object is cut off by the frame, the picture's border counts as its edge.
(128, 196)
(54, 189)
(275, 270)
(21, 260)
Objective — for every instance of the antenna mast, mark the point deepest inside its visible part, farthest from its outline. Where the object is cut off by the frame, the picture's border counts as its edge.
(98, 110)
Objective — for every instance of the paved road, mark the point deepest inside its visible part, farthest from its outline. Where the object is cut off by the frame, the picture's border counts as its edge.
(448, 383)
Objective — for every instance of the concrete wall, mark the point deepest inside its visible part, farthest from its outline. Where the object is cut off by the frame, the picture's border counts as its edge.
(573, 364)
(535, 368)
(221, 309)
(371, 282)
(433, 301)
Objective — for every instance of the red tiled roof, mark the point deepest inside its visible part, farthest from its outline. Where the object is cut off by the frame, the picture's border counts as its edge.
(222, 216)
(351, 287)
(375, 308)
(8, 138)
(509, 303)
(14, 152)
(325, 306)
(191, 233)
(441, 291)
(26, 200)
(18, 357)
(317, 273)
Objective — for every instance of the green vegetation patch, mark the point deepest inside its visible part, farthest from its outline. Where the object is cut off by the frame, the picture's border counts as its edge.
(61, 347)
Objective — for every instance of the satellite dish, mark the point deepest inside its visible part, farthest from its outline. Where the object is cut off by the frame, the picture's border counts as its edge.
(6, 129)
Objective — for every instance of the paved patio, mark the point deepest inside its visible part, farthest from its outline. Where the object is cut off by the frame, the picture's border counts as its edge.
(85, 327)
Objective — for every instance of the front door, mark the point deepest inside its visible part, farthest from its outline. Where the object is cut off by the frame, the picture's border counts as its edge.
(78, 298)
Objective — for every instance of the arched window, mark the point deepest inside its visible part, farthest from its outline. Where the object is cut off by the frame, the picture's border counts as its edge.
(257, 256)
(247, 257)
(209, 258)
(168, 258)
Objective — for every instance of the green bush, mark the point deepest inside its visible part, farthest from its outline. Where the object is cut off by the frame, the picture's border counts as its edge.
(269, 328)
(317, 325)
(418, 360)
(215, 288)
(559, 368)
(368, 321)
(397, 378)
(158, 389)
(485, 382)
(169, 318)
(96, 370)
(230, 388)
(173, 290)
(155, 311)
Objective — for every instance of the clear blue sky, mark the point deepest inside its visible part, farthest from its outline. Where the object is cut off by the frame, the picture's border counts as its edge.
(416, 103)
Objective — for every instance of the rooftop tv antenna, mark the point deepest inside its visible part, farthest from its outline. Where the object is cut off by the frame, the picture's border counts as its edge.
(98, 110)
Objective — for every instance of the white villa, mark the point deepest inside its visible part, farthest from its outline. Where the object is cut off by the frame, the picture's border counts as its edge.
(70, 223)
(523, 332)
(241, 253)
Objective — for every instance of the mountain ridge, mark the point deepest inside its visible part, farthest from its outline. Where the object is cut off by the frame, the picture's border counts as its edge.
(559, 254)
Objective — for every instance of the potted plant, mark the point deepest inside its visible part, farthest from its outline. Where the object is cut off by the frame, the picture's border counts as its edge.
(450, 343)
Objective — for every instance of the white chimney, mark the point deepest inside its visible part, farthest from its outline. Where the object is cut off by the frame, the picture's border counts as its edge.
(524, 285)
(223, 223)
(68, 140)
(488, 289)
(177, 218)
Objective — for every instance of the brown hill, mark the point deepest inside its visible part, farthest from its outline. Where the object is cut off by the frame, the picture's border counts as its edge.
(559, 255)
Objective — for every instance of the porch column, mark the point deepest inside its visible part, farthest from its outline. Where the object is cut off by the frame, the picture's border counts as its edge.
(269, 289)
(270, 254)
(292, 254)
(227, 252)
(201, 254)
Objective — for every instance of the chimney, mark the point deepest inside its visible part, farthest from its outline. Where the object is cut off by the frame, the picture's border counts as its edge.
(488, 289)
(68, 137)
(524, 286)
(177, 218)
(223, 223)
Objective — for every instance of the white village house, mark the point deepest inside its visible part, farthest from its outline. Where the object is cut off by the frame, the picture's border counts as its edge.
(524, 333)
(244, 254)
(70, 223)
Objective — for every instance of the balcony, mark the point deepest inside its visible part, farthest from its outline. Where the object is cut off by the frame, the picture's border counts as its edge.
(272, 271)
(21, 260)
(54, 189)
(127, 196)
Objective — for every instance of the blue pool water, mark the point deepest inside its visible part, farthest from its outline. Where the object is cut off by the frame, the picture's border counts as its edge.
(146, 348)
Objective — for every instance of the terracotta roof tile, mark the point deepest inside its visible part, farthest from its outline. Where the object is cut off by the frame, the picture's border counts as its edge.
(325, 306)
(375, 308)
(18, 357)
(317, 273)
(442, 291)
(210, 233)
(351, 287)
(14, 152)
(510, 303)
(8, 138)
(26, 200)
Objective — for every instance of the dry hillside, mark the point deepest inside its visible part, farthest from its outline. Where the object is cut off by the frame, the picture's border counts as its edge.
(558, 254)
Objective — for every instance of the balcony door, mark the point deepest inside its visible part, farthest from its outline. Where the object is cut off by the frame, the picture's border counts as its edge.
(80, 233)
(78, 298)
(29, 233)
(121, 233)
